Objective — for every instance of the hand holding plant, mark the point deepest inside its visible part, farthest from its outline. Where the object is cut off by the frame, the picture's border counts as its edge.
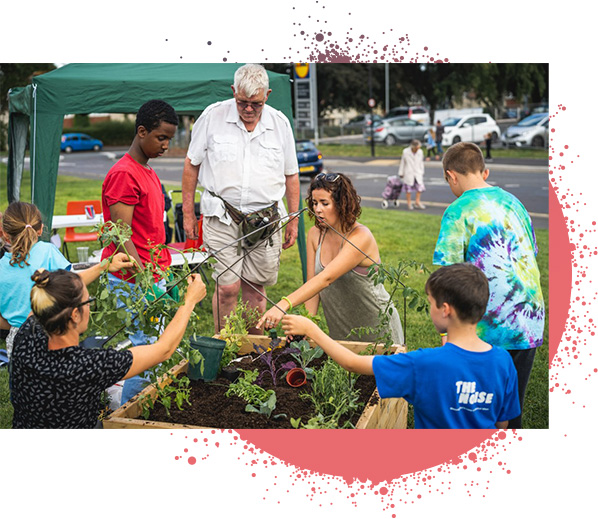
(118, 262)
(298, 325)
(271, 318)
(196, 290)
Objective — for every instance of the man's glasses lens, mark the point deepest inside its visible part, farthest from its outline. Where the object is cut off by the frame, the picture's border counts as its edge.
(328, 177)
(255, 106)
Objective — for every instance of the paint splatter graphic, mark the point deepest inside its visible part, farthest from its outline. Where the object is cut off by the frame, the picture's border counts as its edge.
(574, 353)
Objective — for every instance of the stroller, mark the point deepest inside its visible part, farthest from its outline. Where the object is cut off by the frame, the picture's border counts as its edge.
(392, 191)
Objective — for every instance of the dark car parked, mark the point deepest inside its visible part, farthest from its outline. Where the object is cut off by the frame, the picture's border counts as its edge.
(309, 158)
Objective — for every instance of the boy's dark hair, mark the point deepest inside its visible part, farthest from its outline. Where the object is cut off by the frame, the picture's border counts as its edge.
(463, 286)
(152, 113)
(464, 158)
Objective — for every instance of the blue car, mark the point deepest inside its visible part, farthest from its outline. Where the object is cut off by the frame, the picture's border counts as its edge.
(309, 158)
(79, 142)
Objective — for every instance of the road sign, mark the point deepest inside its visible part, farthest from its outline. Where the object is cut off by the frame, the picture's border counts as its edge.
(301, 70)
(372, 103)
(306, 95)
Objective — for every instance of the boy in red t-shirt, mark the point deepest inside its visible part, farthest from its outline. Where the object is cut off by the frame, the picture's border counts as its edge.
(132, 192)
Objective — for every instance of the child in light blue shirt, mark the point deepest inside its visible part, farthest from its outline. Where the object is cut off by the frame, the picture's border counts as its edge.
(21, 228)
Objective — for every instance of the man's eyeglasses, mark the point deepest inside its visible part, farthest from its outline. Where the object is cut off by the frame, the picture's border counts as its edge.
(328, 177)
(89, 302)
(254, 105)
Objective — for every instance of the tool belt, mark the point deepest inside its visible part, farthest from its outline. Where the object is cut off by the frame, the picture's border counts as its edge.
(248, 223)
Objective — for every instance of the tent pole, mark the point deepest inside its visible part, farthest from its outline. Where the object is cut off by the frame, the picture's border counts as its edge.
(33, 148)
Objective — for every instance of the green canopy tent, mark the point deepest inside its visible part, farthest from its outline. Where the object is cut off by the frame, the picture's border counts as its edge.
(84, 88)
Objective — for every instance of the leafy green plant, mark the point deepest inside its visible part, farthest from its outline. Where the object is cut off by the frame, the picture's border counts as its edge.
(246, 388)
(141, 306)
(259, 400)
(178, 391)
(333, 396)
(305, 354)
(394, 278)
(315, 422)
(235, 329)
(266, 408)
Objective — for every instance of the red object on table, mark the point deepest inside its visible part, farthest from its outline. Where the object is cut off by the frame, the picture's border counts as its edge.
(79, 207)
(196, 244)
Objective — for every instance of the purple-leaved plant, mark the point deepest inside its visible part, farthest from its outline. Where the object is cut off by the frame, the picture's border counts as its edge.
(267, 356)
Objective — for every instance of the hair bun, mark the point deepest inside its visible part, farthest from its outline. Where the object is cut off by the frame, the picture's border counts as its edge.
(40, 277)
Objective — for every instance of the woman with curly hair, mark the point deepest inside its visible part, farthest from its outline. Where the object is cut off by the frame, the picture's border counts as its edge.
(337, 272)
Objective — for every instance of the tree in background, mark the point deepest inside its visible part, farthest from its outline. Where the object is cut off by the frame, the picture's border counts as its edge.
(16, 75)
(437, 85)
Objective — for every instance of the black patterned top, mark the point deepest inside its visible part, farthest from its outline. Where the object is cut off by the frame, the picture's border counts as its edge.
(60, 389)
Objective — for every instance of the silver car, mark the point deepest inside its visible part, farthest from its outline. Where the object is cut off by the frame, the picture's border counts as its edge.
(394, 130)
(530, 131)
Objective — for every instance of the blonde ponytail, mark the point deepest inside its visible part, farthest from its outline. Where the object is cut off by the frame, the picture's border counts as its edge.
(54, 296)
(21, 223)
(41, 300)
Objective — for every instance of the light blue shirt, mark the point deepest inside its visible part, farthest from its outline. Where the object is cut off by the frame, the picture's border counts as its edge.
(16, 284)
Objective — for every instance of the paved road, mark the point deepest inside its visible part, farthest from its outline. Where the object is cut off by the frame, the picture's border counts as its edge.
(528, 180)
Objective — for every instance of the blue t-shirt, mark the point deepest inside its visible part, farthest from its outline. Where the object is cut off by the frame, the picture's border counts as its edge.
(16, 284)
(451, 388)
(490, 228)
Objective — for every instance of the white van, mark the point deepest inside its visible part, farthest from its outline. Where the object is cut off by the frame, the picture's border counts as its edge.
(417, 113)
(470, 128)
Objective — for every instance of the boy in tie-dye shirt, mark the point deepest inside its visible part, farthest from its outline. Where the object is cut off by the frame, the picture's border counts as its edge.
(491, 228)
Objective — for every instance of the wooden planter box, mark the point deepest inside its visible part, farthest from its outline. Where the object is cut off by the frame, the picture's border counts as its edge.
(379, 413)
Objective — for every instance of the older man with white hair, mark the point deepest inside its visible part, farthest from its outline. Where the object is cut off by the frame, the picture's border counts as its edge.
(242, 151)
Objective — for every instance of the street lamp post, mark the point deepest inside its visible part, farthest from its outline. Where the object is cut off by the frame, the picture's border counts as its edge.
(371, 104)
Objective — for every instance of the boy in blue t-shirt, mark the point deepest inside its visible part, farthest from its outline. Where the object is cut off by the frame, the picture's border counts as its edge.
(490, 228)
(465, 384)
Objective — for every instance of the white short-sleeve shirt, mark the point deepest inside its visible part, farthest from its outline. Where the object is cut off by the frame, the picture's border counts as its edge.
(247, 169)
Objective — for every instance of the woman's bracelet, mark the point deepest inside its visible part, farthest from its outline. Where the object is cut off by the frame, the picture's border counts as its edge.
(443, 334)
(285, 298)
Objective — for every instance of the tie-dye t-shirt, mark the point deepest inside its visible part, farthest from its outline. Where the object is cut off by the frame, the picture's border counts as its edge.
(491, 229)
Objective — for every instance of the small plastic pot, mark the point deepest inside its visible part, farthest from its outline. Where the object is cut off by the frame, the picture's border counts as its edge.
(296, 377)
(211, 350)
(230, 373)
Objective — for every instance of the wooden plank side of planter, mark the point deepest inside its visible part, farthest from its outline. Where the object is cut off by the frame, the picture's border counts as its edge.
(127, 416)
(387, 413)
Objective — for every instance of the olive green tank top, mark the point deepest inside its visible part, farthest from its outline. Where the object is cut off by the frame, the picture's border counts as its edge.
(353, 301)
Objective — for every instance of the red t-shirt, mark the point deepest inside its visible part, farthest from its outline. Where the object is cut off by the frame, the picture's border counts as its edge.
(133, 184)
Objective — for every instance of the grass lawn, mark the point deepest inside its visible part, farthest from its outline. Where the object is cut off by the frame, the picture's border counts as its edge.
(400, 235)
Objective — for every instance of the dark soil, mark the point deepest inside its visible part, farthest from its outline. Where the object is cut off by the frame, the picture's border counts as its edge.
(211, 408)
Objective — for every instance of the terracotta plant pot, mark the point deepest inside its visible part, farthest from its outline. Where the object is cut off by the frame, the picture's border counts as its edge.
(296, 377)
